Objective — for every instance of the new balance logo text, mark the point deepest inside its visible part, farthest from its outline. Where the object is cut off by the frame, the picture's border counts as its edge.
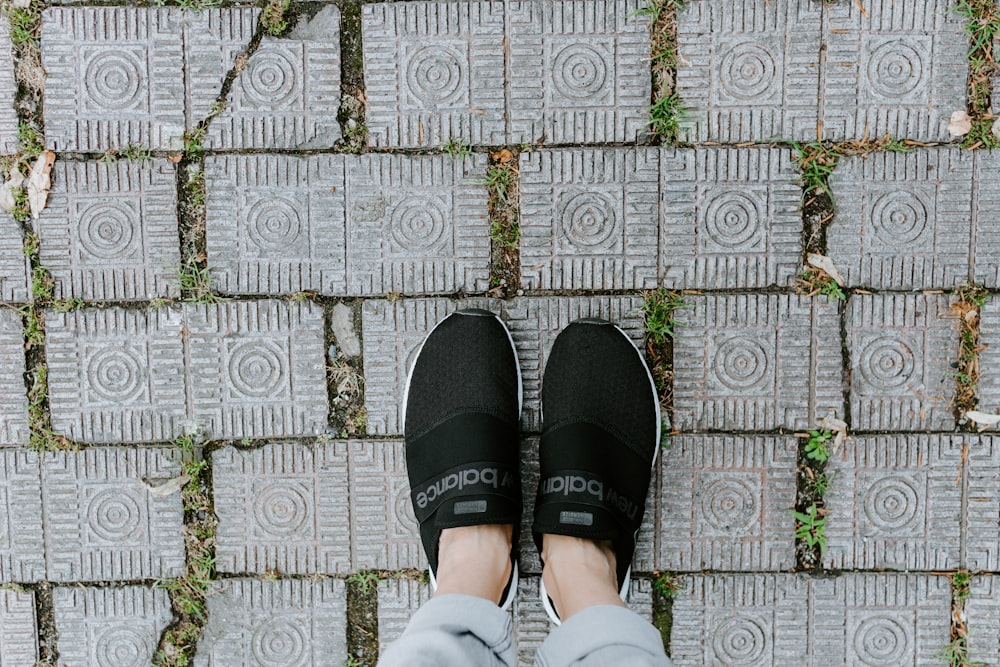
(568, 484)
(489, 477)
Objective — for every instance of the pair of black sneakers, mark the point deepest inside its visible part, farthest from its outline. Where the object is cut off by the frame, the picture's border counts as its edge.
(600, 436)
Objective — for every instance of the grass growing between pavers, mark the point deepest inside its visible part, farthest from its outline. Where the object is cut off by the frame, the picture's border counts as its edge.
(504, 200)
(809, 512)
(658, 308)
(971, 299)
(667, 108)
(666, 586)
(956, 652)
(362, 618)
(982, 28)
(351, 114)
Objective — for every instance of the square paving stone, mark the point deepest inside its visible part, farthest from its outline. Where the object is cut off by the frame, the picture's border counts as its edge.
(14, 266)
(398, 600)
(434, 71)
(588, 218)
(109, 232)
(730, 218)
(531, 623)
(981, 540)
(901, 349)
(116, 375)
(289, 622)
(282, 507)
(18, 633)
(986, 214)
(22, 545)
(725, 502)
(257, 369)
(895, 502)
(989, 358)
(756, 362)
(416, 225)
(878, 619)
(578, 71)
(392, 332)
(384, 531)
(748, 71)
(904, 220)
(101, 520)
(105, 626)
(13, 396)
(890, 69)
(8, 89)
(982, 609)
(288, 94)
(114, 76)
(276, 223)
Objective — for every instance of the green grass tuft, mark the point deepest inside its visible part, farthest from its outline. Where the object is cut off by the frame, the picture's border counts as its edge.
(659, 306)
(665, 117)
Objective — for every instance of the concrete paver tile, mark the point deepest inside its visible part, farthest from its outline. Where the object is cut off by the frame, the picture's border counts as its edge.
(904, 220)
(256, 369)
(13, 400)
(384, 530)
(981, 544)
(756, 362)
(578, 71)
(109, 232)
(22, 545)
(8, 89)
(895, 502)
(288, 622)
(282, 507)
(725, 503)
(890, 69)
(434, 72)
(110, 626)
(989, 358)
(288, 95)
(730, 218)
(14, 264)
(531, 624)
(398, 600)
(114, 77)
(983, 612)
(18, 633)
(588, 218)
(901, 377)
(748, 71)
(102, 522)
(986, 214)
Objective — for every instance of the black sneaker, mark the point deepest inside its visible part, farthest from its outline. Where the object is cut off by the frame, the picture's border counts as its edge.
(600, 438)
(462, 409)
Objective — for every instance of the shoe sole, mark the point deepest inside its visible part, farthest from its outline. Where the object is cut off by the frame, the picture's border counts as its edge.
(512, 589)
(623, 592)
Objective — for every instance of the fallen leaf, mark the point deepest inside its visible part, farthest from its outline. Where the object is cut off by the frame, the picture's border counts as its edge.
(982, 417)
(170, 486)
(175, 158)
(826, 264)
(505, 156)
(39, 183)
(960, 124)
(971, 316)
(995, 128)
(7, 188)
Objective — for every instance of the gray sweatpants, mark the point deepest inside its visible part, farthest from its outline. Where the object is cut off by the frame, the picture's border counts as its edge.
(466, 631)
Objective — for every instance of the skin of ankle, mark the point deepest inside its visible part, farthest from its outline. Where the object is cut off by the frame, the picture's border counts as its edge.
(579, 573)
(474, 560)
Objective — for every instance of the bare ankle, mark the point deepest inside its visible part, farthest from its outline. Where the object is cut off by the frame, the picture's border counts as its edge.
(474, 560)
(579, 573)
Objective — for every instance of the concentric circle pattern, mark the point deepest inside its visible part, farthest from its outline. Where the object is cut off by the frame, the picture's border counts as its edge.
(281, 510)
(269, 80)
(733, 219)
(108, 230)
(887, 363)
(729, 505)
(891, 504)
(898, 218)
(114, 80)
(418, 225)
(114, 515)
(273, 223)
(741, 364)
(279, 642)
(739, 641)
(579, 72)
(589, 220)
(257, 368)
(436, 76)
(882, 641)
(115, 374)
(748, 71)
(122, 647)
(895, 69)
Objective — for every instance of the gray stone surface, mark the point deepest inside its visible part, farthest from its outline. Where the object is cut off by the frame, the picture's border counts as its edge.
(588, 218)
(114, 76)
(730, 218)
(18, 633)
(22, 545)
(394, 223)
(13, 400)
(274, 624)
(983, 611)
(986, 213)
(578, 71)
(109, 232)
(384, 531)
(904, 220)
(8, 117)
(785, 619)
(989, 359)
(288, 95)
(896, 502)
(108, 627)
(890, 69)
(756, 362)
(982, 524)
(282, 508)
(398, 599)
(342, 326)
(725, 501)
(13, 262)
(531, 624)
(900, 378)
(253, 369)
(434, 72)
(749, 71)
(101, 521)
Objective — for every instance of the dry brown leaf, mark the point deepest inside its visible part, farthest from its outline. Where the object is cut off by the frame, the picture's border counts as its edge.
(39, 183)
(175, 158)
(505, 156)
(7, 188)
(170, 486)
(983, 418)
(960, 124)
(826, 264)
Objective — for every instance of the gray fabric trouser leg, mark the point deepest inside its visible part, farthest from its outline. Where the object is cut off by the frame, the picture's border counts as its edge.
(466, 631)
